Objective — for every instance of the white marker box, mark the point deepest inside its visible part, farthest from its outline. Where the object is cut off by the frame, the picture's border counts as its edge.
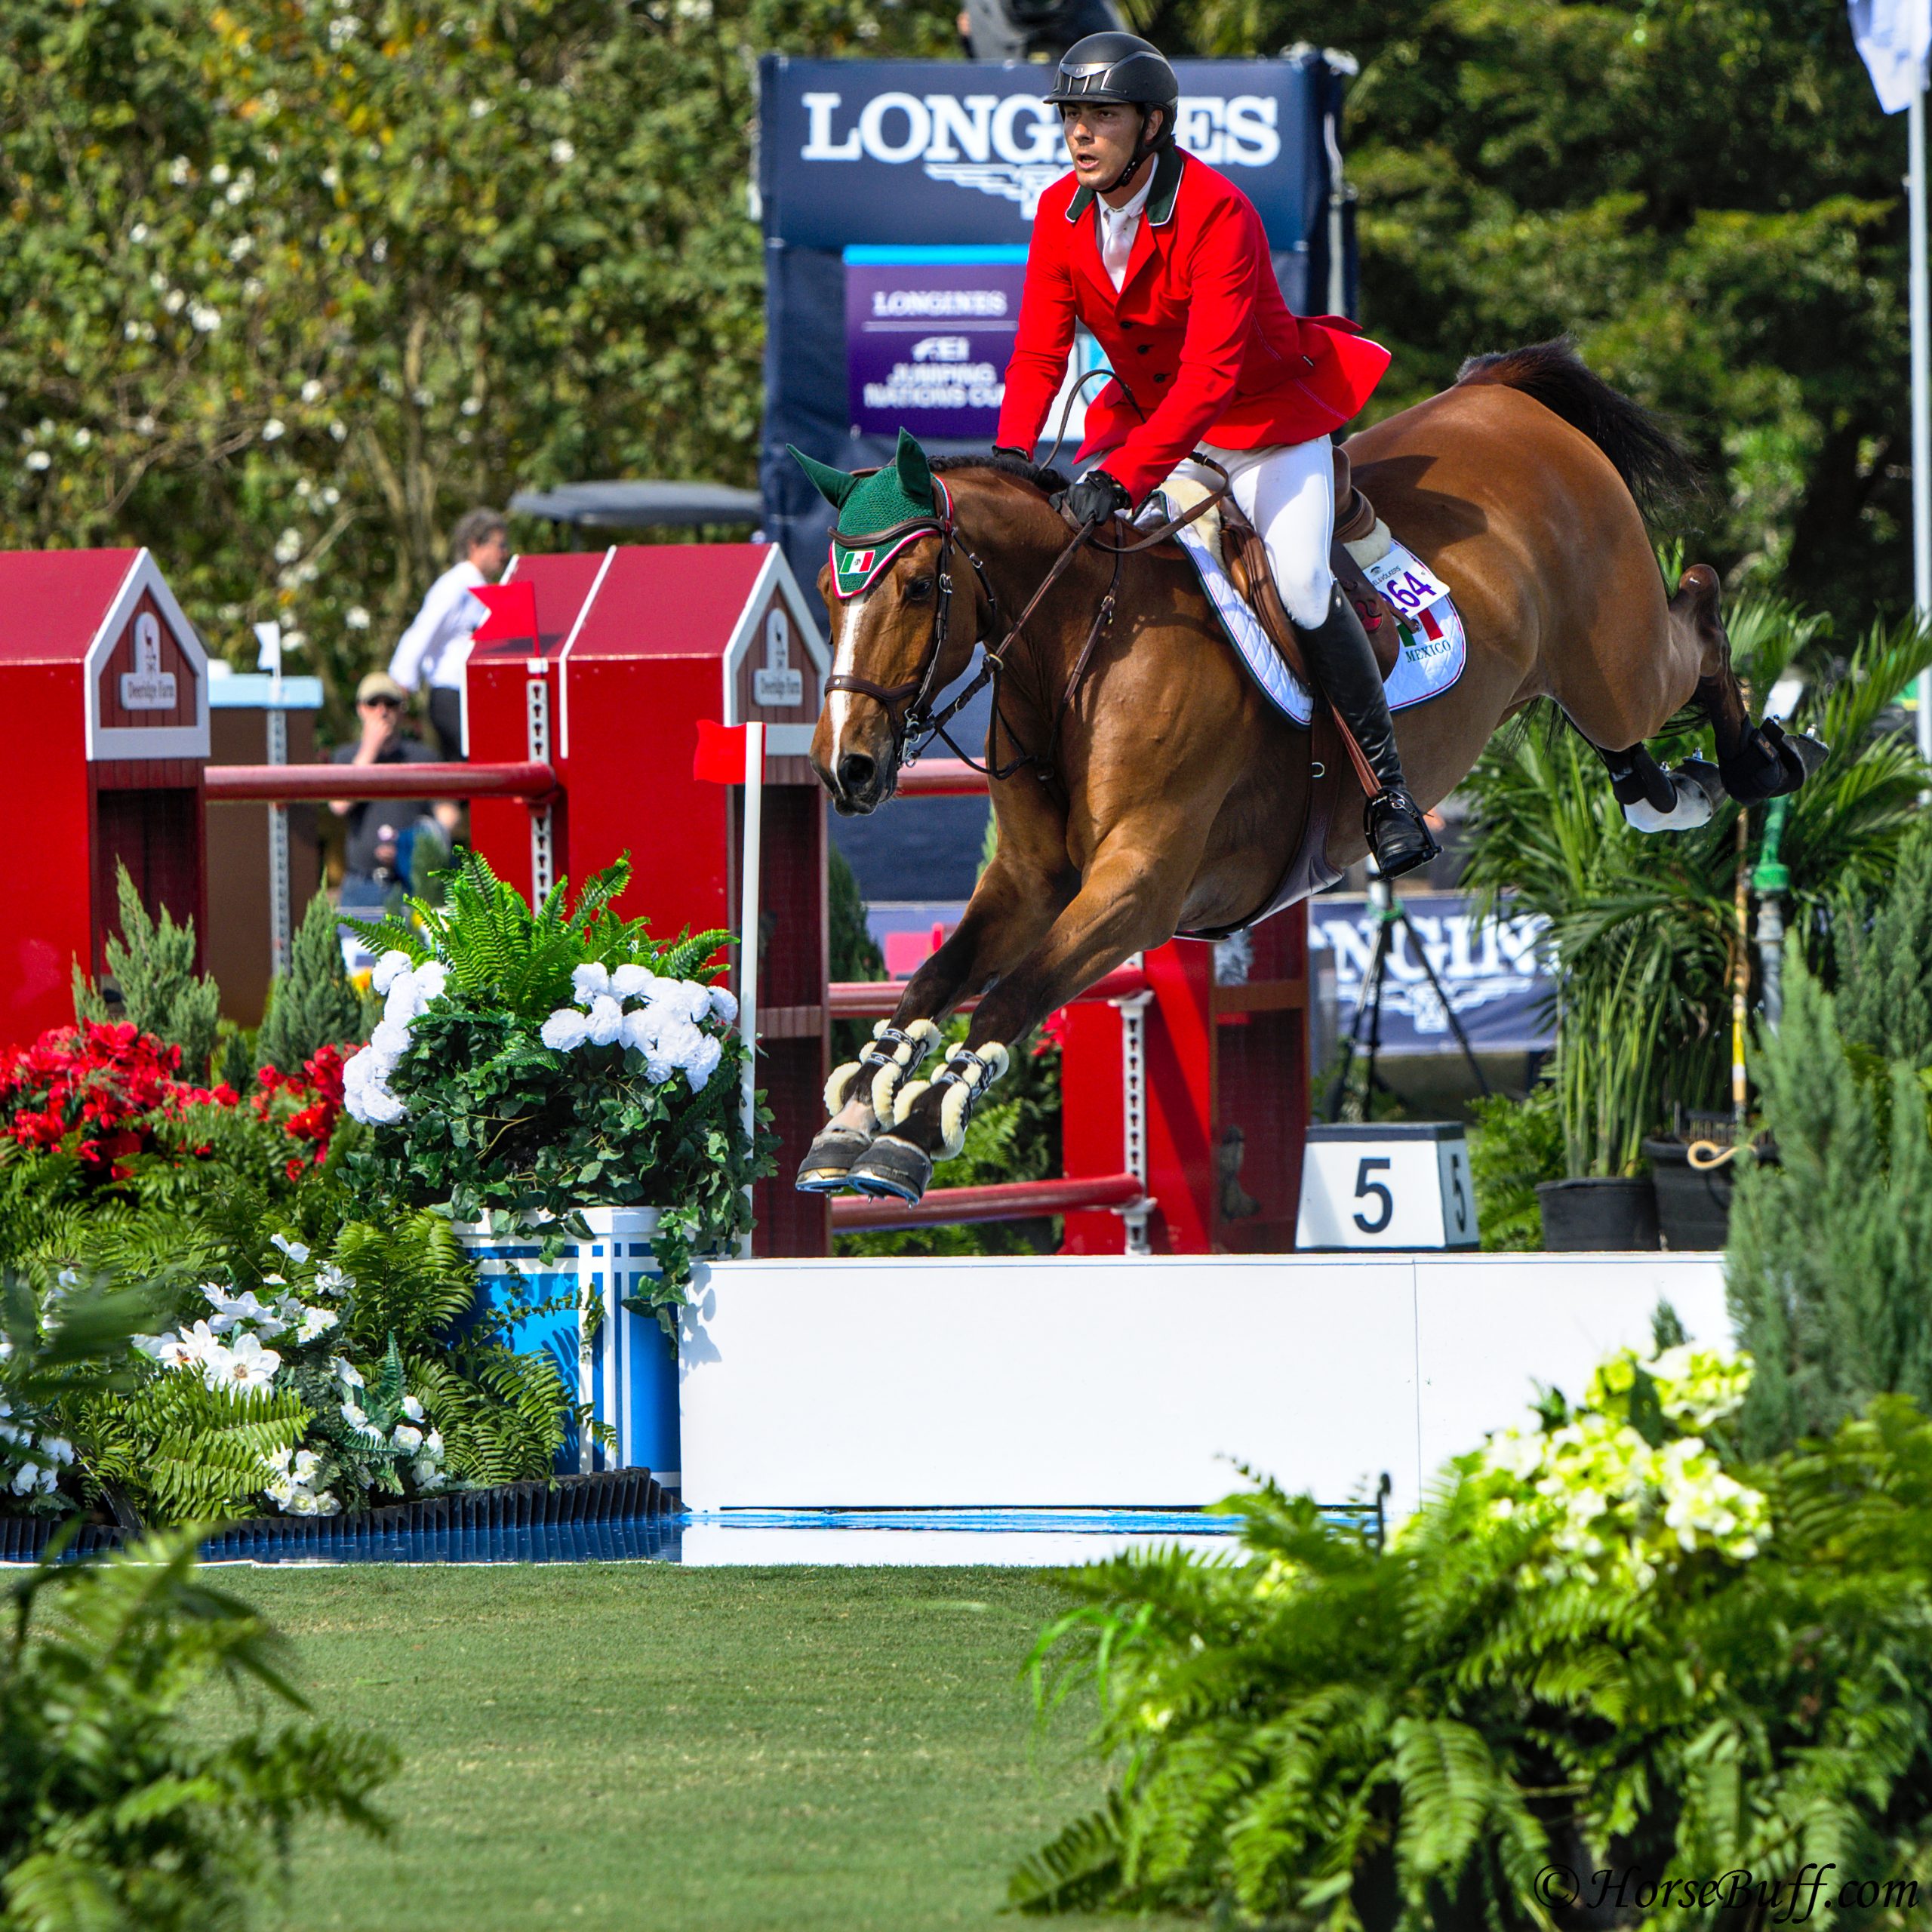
(1398, 1185)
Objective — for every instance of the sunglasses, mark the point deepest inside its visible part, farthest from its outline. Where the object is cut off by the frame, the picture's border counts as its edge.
(381, 703)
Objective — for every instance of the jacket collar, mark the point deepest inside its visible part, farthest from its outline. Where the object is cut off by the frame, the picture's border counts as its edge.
(1169, 165)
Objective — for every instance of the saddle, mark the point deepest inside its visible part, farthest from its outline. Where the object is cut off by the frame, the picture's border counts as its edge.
(1361, 537)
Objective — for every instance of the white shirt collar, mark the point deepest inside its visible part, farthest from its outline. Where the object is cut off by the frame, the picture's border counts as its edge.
(1118, 228)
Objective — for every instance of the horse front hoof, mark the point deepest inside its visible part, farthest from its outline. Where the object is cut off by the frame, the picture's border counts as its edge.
(1798, 751)
(892, 1167)
(827, 1164)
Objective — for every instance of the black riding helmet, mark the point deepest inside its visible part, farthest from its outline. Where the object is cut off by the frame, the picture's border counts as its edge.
(1119, 70)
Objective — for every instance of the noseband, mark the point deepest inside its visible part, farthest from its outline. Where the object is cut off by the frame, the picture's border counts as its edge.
(917, 720)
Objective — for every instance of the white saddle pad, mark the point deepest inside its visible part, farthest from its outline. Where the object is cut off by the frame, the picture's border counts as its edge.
(1434, 648)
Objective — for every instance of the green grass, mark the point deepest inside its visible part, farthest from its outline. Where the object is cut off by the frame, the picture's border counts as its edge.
(640, 1745)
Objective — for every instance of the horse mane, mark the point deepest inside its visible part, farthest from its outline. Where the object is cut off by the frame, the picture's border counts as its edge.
(1003, 464)
(1659, 473)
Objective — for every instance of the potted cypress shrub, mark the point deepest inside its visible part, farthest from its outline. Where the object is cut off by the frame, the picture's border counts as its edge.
(567, 1090)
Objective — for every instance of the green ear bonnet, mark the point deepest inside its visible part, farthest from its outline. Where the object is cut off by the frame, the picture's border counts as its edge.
(906, 491)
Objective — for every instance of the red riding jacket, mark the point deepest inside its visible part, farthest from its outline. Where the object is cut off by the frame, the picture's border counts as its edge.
(1202, 346)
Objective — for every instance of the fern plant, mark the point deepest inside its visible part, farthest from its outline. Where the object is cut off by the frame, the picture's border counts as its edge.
(503, 954)
(152, 965)
(1604, 1642)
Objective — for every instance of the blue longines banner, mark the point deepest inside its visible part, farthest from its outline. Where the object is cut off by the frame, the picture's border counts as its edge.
(897, 197)
(1492, 971)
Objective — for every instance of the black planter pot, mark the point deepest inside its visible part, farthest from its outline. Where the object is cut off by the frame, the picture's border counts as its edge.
(1614, 1215)
(1694, 1204)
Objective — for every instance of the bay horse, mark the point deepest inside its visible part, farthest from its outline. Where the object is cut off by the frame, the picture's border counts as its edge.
(1152, 789)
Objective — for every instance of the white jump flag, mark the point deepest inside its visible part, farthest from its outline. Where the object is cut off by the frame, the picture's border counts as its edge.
(1894, 38)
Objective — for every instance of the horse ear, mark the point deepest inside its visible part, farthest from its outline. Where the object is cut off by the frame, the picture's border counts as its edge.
(834, 485)
(915, 474)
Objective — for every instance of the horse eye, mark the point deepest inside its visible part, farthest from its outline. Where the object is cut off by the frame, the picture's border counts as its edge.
(919, 590)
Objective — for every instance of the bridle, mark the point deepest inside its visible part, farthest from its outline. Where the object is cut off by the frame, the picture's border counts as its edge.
(915, 728)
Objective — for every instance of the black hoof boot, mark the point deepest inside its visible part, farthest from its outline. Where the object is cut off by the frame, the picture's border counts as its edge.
(1398, 835)
(1770, 763)
(825, 1167)
(893, 1166)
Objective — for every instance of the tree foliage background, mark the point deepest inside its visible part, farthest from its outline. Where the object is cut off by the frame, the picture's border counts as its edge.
(290, 283)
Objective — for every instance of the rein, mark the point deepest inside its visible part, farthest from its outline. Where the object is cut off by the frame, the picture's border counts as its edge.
(918, 721)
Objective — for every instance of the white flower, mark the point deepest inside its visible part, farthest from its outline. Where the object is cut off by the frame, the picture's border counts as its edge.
(199, 1344)
(405, 999)
(379, 1107)
(331, 1279)
(724, 1005)
(206, 319)
(354, 1415)
(340, 431)
(680, 1042)
(138, 233)
(38, 459)
(306, 1464)
(331, 177)
(281, 1491)
(479, 108)
(391, 1036)
(606, 1020)
(432, 977)
(174, 301)
(279, 1461)
(412, 1408)
(590, 979)
(434, 1446)
(346, 1372)
(393, 963)
(218, 173)
(704, 1063)
(406, 1438)
(632, 981)
(565, 1030)
(562, 151)
(179, 170)
(272, 429)
(311, 391)
(640, 1029)
(26, 1478)
(301, 1503)
(684, 997)
(428, 1474)
(356, 618)
(315, 1322)
(296, 1251)
(246, 1366)
(57, 1448)
(288, 545)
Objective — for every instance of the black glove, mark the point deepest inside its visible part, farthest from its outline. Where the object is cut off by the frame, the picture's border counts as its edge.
(1094, 498)
(1008, 449)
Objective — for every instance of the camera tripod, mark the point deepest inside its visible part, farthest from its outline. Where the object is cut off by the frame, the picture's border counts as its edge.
(1392, 920)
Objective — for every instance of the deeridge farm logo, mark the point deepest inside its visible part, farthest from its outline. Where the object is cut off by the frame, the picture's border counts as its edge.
(1012, 147)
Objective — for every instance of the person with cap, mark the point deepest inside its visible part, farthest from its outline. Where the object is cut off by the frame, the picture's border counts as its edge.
(1166, 262)
(432, 652)
(380, 829)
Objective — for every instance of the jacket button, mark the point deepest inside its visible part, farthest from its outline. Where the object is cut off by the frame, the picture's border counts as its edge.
(1141, 349)
(1160, 379)
(1126, 325)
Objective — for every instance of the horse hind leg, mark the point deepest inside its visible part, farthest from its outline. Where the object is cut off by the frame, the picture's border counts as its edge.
(1755, 762)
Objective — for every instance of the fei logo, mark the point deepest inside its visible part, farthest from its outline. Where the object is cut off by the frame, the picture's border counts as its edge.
(1012, 147)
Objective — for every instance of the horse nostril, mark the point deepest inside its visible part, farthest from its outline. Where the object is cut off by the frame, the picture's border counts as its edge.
(856, 772)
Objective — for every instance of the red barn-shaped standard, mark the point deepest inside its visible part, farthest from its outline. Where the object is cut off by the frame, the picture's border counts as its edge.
(633, 647)
(103, 684)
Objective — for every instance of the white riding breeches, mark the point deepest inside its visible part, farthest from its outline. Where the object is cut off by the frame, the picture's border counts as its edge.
(1287, 492)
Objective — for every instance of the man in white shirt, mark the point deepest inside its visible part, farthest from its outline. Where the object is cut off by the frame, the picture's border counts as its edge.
(433, 651)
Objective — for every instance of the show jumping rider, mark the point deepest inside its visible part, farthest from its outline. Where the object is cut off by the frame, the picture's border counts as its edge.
(1171, 273)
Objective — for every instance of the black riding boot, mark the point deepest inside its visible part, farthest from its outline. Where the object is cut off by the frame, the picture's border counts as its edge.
(1342, 662)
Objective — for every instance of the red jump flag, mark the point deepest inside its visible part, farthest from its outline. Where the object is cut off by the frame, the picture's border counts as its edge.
(512, 608)
(721, 753)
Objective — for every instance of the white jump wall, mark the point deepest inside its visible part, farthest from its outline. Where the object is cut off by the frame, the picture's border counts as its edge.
(1093, 1382)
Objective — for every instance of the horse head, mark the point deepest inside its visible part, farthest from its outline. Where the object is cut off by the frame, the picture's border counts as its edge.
(907, 608)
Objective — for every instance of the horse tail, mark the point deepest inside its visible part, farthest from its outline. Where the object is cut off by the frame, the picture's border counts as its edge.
(1659, 473)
